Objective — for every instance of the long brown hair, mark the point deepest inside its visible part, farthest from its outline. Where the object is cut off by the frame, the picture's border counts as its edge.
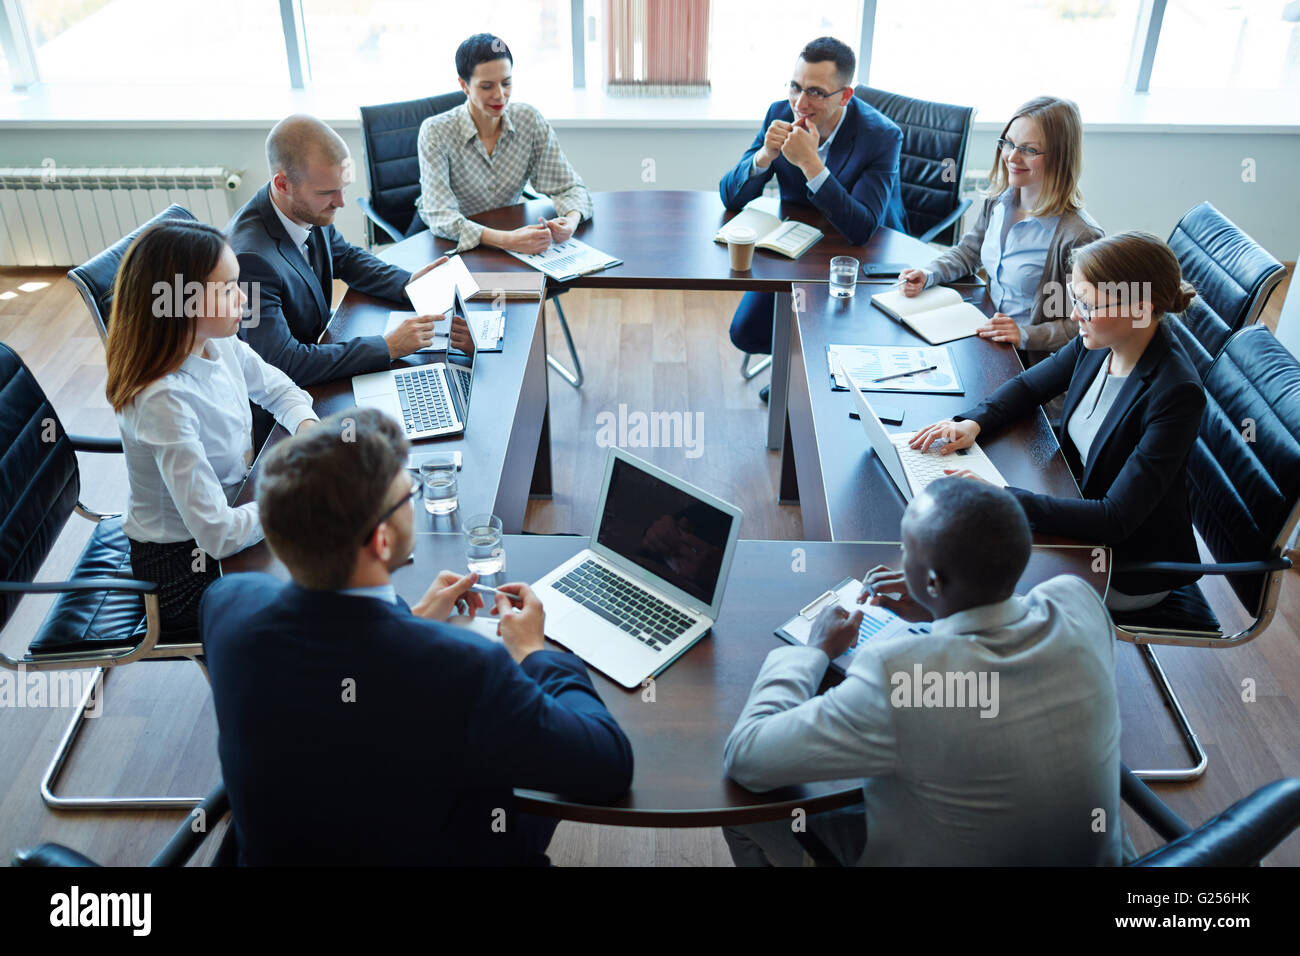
(1135, 266)
(1063, 130)
(151, 327)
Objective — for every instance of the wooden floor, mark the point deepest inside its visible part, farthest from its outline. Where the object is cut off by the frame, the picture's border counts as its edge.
(664, 351)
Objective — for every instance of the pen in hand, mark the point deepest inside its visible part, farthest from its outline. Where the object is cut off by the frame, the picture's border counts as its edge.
(484, 589)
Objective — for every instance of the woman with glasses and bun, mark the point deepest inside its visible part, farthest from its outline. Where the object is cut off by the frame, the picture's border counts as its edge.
(180, 379)
(1132, 408)
(1032, 219)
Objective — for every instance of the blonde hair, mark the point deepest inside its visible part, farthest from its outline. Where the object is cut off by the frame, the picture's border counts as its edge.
(1062, 128)
(1137, 265)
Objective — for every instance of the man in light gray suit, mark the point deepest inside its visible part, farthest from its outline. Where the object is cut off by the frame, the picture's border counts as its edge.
(992, 740)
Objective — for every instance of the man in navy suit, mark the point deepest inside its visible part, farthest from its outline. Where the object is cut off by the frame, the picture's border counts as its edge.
(828, 149)
(286, 242)
(355, 729)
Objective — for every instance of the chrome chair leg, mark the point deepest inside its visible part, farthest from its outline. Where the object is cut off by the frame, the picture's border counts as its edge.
(746, 372)
(52, 772)
(576, 377)
(1180, 717)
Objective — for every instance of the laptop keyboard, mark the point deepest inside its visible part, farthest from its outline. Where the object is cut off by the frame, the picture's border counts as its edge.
(423, 394)
(925, 467)
(643, 616)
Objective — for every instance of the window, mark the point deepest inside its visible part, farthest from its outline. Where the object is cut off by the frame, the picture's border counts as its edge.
(390, 50)
(956, 52)
(1245, 45)
(234, 42)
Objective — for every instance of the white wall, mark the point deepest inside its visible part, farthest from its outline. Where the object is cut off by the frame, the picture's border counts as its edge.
(1132, 180)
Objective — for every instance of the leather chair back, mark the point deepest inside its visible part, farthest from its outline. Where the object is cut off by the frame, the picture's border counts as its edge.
(1232, 273)
(39, 481)
(388, 136)
(935, 137)
(1202, 334)
(1244, 470)
(94, 278)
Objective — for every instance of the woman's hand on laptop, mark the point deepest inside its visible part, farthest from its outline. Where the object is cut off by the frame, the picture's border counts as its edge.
(449, 591)
(523, 629)
(965, 473)
(956, 435)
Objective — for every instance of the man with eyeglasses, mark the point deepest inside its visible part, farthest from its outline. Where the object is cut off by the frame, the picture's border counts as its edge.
(828, 149)
(355, 729)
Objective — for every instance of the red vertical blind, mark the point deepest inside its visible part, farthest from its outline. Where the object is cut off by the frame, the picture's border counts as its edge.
(657, 46)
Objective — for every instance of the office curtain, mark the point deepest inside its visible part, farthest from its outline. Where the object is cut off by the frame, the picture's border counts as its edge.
(657, 47)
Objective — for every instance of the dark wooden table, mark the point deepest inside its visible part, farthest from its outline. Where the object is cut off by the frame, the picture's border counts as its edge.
(665, 239)
(677, 736)
(843, 490)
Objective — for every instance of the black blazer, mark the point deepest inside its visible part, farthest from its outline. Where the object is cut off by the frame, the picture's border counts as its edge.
(353, 732)
(1134, 482)
(293, 308)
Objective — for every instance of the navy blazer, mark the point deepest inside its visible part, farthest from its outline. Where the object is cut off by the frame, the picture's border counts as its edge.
(353, 732)
(293, 309)
(862, 192)
(1134, 483)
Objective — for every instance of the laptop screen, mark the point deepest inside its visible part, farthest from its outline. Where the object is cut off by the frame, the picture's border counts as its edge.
(664, 530)
(460, 363)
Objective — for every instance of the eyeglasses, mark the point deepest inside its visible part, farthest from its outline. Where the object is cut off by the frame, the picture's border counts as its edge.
(417, 489)
(1086, 312)
(1011, 149)
(816, 94)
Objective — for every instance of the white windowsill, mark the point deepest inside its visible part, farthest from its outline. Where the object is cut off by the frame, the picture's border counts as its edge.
(202, 107)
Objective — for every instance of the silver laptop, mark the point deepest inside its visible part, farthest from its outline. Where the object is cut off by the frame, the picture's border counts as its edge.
(429, 401)
(910, 468)
(650, 584)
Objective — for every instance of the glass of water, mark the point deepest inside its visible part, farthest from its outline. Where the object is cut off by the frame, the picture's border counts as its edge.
(844, 277)
(440, 491)
(484, 552)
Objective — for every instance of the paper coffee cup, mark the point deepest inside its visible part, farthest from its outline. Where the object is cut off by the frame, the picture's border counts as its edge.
(740, 244)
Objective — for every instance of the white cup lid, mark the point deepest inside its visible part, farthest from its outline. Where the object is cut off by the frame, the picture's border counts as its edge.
(742, 234)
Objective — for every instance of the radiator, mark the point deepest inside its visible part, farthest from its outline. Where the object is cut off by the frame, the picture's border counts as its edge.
(52, 216)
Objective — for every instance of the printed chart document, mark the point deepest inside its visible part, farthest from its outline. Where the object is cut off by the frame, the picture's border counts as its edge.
(790, 238)
(866, 363)
(877, 623)
(938, 314)
(568, 260)
(434, 292)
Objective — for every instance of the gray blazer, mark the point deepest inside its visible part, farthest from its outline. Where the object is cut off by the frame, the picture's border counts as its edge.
(1036, 782)
(1045, 333)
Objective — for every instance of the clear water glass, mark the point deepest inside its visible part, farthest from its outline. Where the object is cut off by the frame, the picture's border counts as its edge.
(844, 277)
(440, 489)
(484, 552)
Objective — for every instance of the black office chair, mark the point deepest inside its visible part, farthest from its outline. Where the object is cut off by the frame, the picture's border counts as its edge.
(94, 278)
(103, 617)
(1241, 835)
(388, 142)
(935, 137)
(389, 135)
(1232, 273)
(1244, 492)
(198, 825)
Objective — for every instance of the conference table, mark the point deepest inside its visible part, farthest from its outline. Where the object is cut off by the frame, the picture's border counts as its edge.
(678, 723)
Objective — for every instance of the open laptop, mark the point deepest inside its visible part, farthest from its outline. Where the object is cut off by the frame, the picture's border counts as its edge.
(429, 401)
(910, 468)
(650, 583)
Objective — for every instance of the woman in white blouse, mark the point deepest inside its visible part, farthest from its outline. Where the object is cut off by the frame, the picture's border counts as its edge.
(180, 381)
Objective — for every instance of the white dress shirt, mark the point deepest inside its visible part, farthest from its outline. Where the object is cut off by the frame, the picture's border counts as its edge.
(299, 234)
(1032, 779)
(189, 445)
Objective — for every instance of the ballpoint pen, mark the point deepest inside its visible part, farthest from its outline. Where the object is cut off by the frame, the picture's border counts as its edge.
(915, 371)
(484, 589)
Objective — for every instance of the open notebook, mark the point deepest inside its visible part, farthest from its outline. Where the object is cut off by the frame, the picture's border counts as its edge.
(790, 238)
(937, 315)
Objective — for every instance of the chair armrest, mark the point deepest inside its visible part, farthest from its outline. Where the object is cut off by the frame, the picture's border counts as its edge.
(1169, 825)
(1280, 563)
(78, 584)
(378, 220)
(1242, 835)
(50, 855)
(186, 841)
(87, 443)
(945, 222)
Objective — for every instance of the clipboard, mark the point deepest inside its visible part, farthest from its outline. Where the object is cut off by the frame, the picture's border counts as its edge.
(878, 623)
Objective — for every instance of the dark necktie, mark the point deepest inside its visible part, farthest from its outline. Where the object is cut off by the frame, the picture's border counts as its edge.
(319, 260)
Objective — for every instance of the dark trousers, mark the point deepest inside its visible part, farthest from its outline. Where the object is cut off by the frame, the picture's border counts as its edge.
(751, 326)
